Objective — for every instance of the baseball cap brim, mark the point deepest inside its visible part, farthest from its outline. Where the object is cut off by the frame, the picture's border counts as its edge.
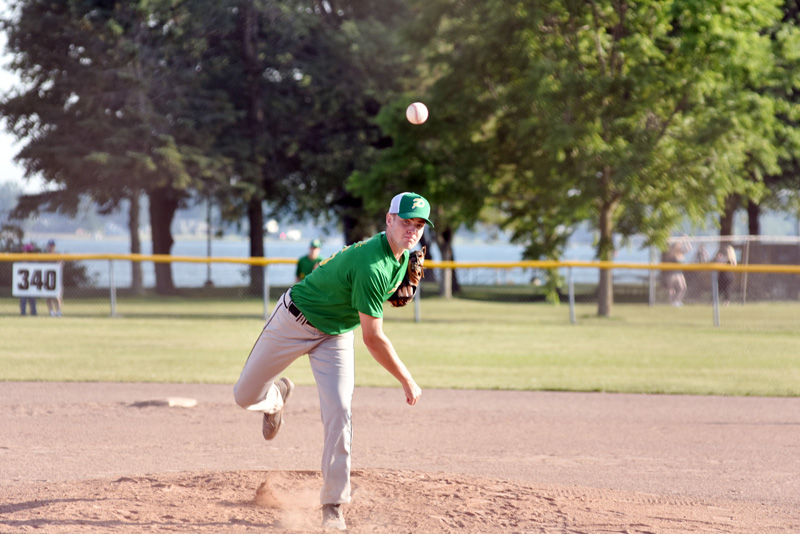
(412, 215)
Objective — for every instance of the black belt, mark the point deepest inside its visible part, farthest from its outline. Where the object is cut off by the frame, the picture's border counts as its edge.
(294, 310)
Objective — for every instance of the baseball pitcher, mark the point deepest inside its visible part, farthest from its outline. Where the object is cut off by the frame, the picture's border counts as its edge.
(317, 316)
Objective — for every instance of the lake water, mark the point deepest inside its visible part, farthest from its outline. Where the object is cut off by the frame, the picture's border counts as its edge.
(222, 274)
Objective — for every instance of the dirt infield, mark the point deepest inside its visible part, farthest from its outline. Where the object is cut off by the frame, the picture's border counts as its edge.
(117, 458)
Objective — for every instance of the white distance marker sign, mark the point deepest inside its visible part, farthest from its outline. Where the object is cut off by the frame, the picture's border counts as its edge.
(37, 280)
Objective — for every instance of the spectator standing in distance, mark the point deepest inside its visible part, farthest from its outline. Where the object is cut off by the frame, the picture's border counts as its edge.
(317, 317)
(699, 281)
(309, 262)
(726, 255)
(25, 301)
(675, 281)
(702, 254)
(54, 303)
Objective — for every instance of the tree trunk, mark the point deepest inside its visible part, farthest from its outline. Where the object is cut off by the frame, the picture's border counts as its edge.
(753, 218)
(355, 228)
(605, 288)
(349, 231)
(356, 225)
(255, 217)
(254, 123)
(163, 206)
(137, 279)
(426, 242)
(605, 248)
(444, 241)
(727, 217)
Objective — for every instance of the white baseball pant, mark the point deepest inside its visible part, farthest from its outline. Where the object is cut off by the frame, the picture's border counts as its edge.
(284, 339)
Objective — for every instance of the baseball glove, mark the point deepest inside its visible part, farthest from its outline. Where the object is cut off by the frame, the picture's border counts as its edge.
(412, 278)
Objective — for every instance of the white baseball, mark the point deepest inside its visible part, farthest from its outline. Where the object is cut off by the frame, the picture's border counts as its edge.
(417, 113)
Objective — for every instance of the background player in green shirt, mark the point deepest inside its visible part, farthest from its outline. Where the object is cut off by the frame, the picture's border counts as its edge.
(309, 262)
(317, 316)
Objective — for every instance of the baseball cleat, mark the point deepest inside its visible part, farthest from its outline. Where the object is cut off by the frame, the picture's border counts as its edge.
(332, 517)
(272, 421)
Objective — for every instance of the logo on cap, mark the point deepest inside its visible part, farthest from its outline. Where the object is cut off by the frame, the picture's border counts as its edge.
(418, 203)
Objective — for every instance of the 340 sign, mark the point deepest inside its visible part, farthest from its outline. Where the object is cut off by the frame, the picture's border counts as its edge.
(37, 280)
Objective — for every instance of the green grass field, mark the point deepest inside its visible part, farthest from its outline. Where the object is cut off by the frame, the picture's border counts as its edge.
(458, 344)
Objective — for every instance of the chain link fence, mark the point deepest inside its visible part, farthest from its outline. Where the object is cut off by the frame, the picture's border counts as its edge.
(651, 284)
(120, 285)
(106, 285)
(743, 285)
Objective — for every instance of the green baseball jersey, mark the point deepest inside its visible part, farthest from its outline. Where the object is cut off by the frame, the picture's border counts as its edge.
(305, 265)
(358, 278)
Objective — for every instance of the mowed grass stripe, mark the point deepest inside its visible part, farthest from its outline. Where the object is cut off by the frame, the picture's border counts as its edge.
(457, 344)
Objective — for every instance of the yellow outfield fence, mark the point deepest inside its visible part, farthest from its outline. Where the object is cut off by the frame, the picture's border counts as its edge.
(106, 284)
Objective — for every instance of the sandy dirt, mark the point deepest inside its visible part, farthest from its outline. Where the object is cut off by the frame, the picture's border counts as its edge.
(118, 458)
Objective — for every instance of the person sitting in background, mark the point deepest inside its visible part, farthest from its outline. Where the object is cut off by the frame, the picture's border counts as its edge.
(309, 262)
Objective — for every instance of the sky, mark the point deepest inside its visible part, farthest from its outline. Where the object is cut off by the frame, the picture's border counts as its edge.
(10, 171)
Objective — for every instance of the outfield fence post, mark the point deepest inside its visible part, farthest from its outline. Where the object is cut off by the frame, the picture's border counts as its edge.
(746, 261)
(652, 279)
(715, 297)
(571, 285)
(112, 288)
(266, 291)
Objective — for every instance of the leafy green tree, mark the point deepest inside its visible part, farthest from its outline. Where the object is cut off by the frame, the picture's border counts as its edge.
(446, 159)
(363, 69)
(251, 60)
(110, 107)
(322, 75)
(435, 159)
(629, 115)
(783, 89)
(304, 81)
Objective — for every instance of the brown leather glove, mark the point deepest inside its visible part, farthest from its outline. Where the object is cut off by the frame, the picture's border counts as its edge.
(412, 278)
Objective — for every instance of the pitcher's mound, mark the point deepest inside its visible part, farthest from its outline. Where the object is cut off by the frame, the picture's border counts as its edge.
(383, 502)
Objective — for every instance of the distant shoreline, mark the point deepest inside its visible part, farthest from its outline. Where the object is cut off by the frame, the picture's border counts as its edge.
(35, 236)
(44, 237)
